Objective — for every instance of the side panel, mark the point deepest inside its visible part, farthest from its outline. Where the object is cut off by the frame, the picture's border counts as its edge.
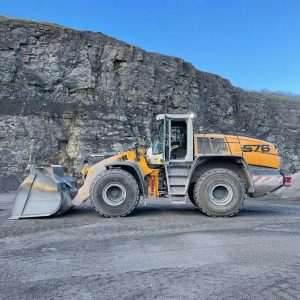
(213, 144)
(255, 152)
(259, 153)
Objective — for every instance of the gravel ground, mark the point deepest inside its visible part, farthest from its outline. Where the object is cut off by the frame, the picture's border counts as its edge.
(160, 251)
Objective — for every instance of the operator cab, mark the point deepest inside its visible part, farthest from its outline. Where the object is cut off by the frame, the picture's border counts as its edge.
(178, 148)
(173, 140)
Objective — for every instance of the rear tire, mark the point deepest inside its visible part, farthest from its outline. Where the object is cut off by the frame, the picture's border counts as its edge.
(191, 193)
(114, 193)
(219, 192)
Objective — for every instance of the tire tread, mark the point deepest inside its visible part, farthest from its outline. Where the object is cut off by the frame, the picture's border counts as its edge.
(209, 173)
(102, 174)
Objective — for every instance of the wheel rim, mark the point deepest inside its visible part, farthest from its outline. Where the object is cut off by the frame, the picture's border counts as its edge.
(114, 193)
(220, 194)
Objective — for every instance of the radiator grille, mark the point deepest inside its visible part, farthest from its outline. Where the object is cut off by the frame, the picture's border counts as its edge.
(211, 146)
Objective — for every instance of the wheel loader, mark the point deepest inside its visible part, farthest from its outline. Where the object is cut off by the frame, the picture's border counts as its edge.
(214, 171)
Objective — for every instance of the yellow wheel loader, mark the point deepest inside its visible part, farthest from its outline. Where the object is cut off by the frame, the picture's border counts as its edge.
(214, 171)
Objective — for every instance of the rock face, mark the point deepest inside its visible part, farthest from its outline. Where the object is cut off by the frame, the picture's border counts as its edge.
(65, 94)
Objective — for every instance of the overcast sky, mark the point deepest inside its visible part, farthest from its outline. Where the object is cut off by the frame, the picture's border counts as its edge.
(253, 43)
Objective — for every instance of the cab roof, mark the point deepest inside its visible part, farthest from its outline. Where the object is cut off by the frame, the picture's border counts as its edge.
(175, 116)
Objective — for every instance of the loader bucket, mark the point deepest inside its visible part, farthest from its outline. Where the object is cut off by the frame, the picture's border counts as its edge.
(45, 191)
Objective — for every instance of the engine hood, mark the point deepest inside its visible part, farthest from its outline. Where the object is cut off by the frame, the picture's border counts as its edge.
(256, 152)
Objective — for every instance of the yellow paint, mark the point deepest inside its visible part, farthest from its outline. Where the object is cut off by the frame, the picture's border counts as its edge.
(147, 172)
(86, 170)
(90, 172)
(131, 156)
(235, 145)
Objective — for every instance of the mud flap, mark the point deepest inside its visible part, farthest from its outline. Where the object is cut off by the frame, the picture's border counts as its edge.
(45, 191)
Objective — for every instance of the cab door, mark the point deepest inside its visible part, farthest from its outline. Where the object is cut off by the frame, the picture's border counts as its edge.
(167, 143)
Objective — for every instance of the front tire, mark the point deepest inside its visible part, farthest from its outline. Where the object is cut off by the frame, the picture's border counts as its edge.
(114, 193)
(219, 192)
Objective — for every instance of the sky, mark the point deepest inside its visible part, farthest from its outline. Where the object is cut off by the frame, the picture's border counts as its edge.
(253, 43)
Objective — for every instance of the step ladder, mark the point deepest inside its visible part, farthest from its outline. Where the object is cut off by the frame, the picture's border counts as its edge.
(177, 174)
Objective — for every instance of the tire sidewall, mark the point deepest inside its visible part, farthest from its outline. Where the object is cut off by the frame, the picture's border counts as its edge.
(120, 177)
(191, 193)
(203, 199)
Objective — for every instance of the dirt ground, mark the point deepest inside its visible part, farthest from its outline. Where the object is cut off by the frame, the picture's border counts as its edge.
(160, 251)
